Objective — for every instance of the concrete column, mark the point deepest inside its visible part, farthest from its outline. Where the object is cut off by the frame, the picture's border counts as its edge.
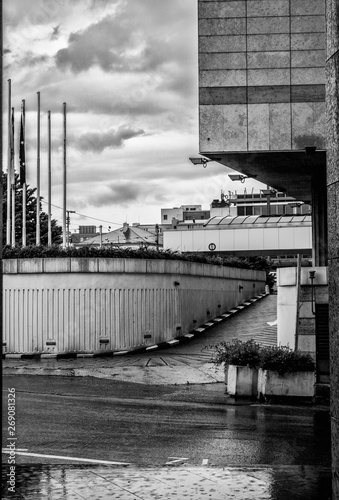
(319, 217)
(332, 119)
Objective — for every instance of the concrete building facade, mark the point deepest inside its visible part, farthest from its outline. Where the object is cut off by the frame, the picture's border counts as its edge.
(262, 84)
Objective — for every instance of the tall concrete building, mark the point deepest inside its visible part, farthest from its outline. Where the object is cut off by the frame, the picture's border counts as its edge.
(262, 96)
(269, 109)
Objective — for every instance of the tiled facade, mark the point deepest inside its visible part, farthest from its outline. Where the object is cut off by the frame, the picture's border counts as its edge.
(261, 75)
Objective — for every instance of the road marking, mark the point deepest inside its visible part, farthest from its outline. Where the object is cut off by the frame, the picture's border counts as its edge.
(175, 460)
(200, 329)
(16, 449)
(119, 353)
(152, 347)
(189, 335)
(217, 319)
(209, 324)
(57, 457)
(205, 461)
(175, 341)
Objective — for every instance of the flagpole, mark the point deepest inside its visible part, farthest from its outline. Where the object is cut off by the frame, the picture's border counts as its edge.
(13, 182)
(49, 182)
(64, 185)
(38, 176)
(9, 168)
(22, 148)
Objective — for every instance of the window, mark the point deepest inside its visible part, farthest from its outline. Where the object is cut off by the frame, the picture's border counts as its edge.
(165, 217)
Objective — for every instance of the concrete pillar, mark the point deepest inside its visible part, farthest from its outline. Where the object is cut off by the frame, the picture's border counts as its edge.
(319, 216)
(332, 119)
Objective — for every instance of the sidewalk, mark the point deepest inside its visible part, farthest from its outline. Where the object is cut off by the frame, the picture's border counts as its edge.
(177, 482)
(186, 361)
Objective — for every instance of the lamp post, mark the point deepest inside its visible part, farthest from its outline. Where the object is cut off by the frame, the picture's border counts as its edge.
(268, 193)
(68, 220)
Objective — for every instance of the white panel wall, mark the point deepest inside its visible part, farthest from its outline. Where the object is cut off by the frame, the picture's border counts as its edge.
(240, 239)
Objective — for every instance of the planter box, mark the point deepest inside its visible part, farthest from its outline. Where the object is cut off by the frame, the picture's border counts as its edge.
(242, 381)
(300, 384)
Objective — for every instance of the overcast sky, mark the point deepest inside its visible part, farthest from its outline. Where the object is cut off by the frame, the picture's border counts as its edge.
(127, 70)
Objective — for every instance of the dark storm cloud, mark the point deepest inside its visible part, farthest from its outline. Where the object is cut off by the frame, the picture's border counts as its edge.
(130, 40)
(119, 193)
(33, 60)
(100, 44)
(113, 138)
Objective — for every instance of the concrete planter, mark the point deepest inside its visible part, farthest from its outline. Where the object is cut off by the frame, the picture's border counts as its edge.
(242, 380)
(301, 384)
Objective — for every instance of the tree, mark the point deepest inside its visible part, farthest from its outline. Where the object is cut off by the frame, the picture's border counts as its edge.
(31, 203)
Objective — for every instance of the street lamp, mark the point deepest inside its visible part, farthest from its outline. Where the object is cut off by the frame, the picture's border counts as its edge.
(241, 178)
(202, 161)
(296, 205)
(268, 193)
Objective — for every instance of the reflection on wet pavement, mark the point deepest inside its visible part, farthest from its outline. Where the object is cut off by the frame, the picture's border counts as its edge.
(66, 482)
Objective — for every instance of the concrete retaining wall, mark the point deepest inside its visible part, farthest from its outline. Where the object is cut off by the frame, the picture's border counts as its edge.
(57, 305)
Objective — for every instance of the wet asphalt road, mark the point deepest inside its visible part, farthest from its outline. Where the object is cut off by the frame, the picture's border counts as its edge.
(145, 426)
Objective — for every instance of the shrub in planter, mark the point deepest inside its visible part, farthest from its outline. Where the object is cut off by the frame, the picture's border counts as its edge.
(239, 353)
(284, 372)
(241, 359)
(284, 360)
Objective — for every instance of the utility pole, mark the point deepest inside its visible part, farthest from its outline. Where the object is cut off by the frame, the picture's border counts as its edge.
(157, 236)
(68, 221)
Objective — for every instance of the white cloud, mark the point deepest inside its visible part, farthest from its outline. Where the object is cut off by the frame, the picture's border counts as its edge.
(128, 72)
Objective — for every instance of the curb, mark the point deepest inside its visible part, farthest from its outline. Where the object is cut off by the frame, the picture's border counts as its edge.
(161, 345)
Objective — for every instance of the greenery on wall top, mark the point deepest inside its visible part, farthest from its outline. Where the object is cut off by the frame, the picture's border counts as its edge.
(55, 251)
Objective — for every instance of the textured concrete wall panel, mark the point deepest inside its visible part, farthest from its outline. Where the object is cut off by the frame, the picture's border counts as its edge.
(267, 94)
(232, 43)
(261, 25)
(332, 91)
(223, 78)
(235, 127)
(222, 95)
(308, 58)
(258, 8)
(308, 41)
(333, 220)
(307, 7)
(221, 9)
(306, 343)
(257, 60)
(258, 126)
(211, 127)
(232, 60)
(308, 93)
(258, 77)
(223, 127)
(302, 76)
(231, 26)
(279, 126)
(308, 24)
(308, 125)
(267, 43)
